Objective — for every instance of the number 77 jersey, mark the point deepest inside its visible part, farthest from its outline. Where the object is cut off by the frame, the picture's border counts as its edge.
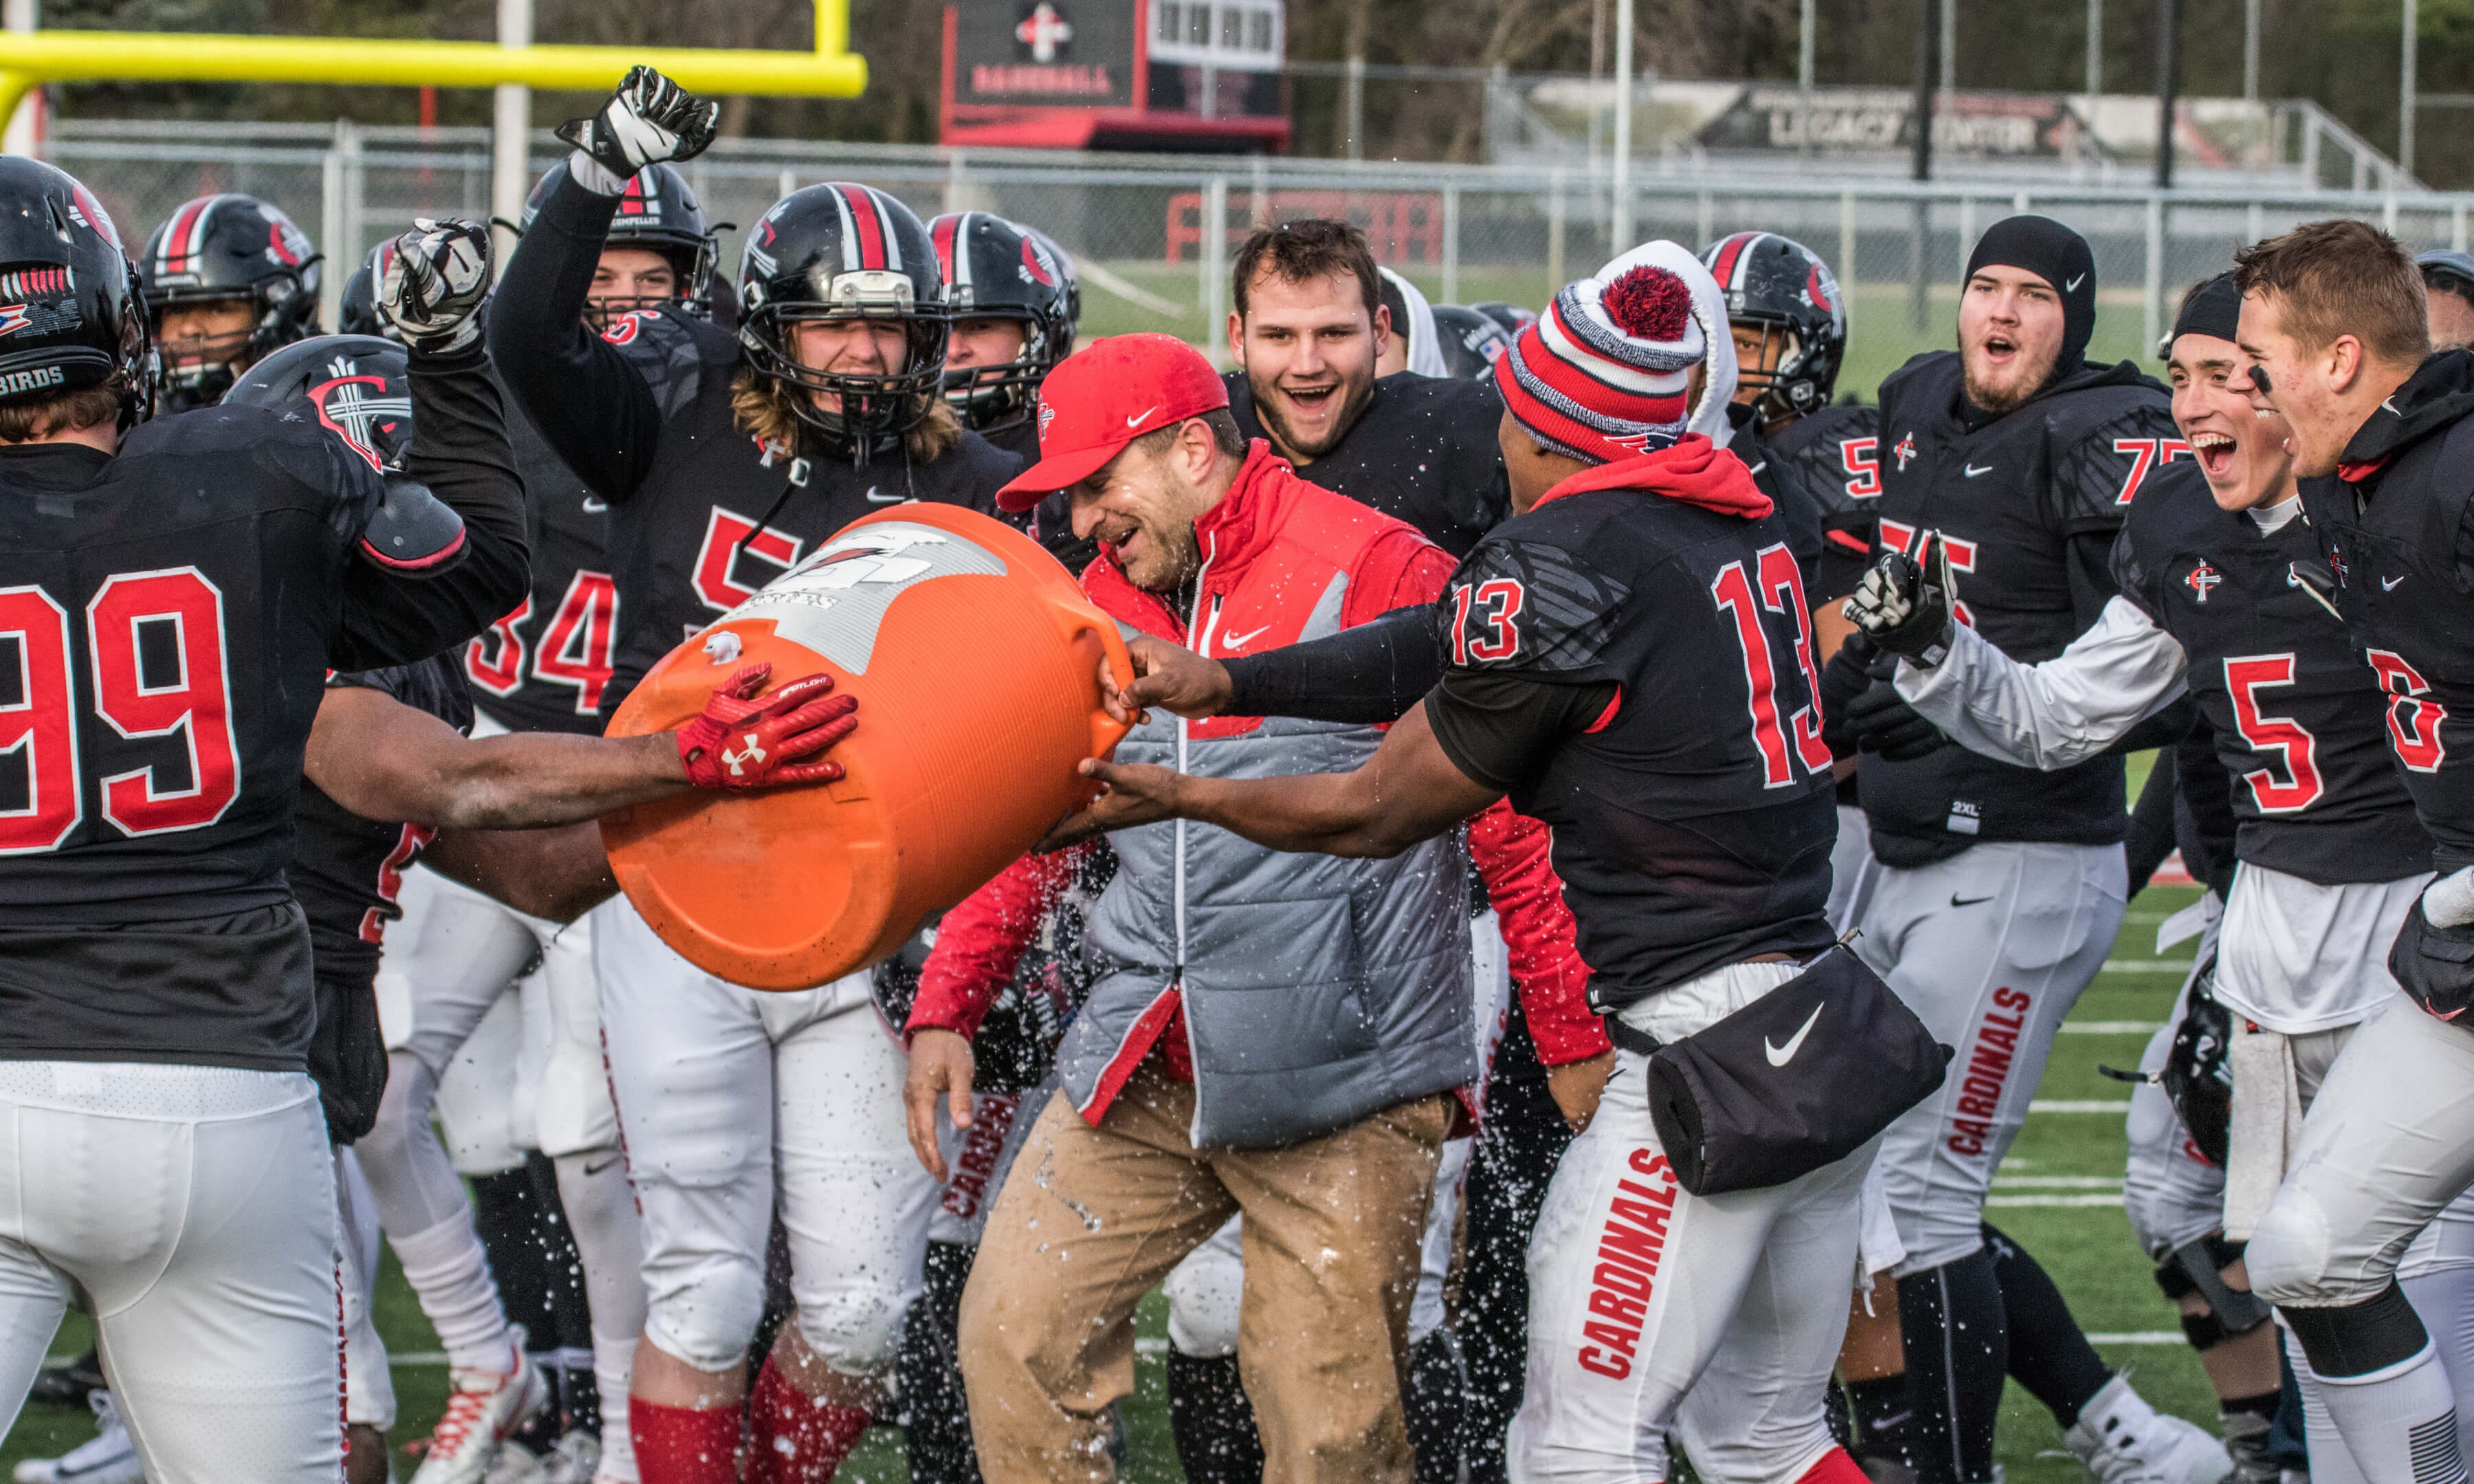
(166, 621)
(1693, 818)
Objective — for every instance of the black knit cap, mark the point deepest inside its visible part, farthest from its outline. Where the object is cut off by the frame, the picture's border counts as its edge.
(2213, 309)
(2056, 254)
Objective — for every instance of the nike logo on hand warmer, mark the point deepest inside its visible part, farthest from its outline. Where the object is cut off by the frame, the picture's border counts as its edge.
(1780, 1054)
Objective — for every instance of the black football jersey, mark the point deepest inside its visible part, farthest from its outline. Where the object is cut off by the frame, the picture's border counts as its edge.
(1692, 826)
(2028, 504)
(2294, 710)
(347, 870)
(546, 665)
(167, 618)
(2397, 525)
(1830, 460)
(718, 514)
(1424, 452)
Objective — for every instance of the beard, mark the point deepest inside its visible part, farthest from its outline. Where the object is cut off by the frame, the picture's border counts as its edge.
(2028, 378)
(1270, 406)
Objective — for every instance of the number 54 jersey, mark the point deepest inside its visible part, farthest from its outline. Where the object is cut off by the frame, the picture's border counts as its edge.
(167, 618)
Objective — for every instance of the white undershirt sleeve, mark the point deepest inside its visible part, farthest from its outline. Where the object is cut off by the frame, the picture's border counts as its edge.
(2065, 710)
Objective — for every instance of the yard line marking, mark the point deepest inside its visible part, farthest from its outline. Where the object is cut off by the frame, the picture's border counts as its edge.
(2056, 1182)
(2112, 1027)
(2112, 1199)
(2079, 1105)
(2142, 1337)
(2147, 965)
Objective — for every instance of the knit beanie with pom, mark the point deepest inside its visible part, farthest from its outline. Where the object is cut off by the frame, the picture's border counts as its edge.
(1604, 374)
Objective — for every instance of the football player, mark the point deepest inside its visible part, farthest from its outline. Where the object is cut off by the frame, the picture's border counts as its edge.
(725, 460)
(1017, 303)
(178, 590)
(2448, 296)
(226, 279)
(1308, 327)
(1692, 842)
(541, 667)
(2334, 340)
(1994, 890)
(2223, 591)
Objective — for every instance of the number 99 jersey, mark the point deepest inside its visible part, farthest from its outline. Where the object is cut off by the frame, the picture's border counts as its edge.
(1692, 817)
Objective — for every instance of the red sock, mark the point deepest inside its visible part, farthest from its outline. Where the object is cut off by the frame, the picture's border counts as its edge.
(1834, 1468)
(684, 1444)
(796, 1439)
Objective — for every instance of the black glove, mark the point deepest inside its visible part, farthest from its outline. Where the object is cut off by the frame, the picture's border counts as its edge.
(1904, 603)
(434, 285)
(647, 120)
(2435, 965)
(1883, 723)
(1842, 680)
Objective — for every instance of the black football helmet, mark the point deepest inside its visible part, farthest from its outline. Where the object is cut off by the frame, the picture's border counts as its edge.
(659, 211)
(1471, 341)
(70, 316)
(357, 387)
(222, 248)
(1784, 287)
(361, 314)
(996, 269)
(845, 251)
(1512, 317)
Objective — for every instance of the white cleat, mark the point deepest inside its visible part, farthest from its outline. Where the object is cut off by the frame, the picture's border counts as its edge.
(484, 1409)
(109, 1457)
(2119, 1439)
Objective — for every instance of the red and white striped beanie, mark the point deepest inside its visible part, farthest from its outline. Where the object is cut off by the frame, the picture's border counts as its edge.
(1604, 373)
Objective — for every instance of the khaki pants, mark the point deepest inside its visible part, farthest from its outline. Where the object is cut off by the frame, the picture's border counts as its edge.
(1091, 1219)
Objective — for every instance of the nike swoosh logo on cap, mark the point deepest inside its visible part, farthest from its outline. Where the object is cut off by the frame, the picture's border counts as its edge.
(1779, 1056)
(2073, 286)
(1136, 420)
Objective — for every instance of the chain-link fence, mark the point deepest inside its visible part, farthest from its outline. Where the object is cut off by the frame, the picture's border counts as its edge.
(1154, 232)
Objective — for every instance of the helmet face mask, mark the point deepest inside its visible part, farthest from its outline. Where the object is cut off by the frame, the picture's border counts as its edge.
(660, 213)
(837, 252)
(993, 268)
(224, 248)
(1784, 289)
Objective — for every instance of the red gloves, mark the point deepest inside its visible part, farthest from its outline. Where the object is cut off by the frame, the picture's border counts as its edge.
(740, 742)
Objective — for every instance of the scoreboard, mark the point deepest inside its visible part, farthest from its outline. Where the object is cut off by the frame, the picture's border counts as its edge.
(1196, 75)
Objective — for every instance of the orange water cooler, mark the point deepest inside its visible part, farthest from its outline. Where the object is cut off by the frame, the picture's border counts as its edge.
(974, 656)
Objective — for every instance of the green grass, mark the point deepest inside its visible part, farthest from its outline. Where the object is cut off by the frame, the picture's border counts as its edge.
(2088, 1250)
(1881, 336)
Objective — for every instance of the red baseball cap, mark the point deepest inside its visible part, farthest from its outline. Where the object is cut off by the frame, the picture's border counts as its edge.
(1102, 398)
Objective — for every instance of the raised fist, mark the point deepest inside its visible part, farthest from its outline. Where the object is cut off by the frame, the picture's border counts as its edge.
(1903, 604)
(741, 742)
(433, 286)
(648, 119)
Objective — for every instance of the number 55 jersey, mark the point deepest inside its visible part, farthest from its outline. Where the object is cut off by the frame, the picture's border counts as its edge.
(168, 616)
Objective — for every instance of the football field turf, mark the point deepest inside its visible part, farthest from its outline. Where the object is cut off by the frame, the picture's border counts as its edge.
(2058, 1195)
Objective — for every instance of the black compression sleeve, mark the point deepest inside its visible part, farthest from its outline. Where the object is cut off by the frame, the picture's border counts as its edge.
(2090, 562)
(1498, 727)
(1366, 675)
(2152, 825)
(590, 404)
(459, 451)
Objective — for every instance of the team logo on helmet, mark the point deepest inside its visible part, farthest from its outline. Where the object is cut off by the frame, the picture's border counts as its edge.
(1035, 264)
(87, 212)
(357, 408)
(1818, 288)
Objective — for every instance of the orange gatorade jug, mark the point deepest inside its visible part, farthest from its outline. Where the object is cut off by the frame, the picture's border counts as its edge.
(974, 656)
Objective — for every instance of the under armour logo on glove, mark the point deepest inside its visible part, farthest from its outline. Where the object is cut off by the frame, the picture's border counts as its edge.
(434, 285)
(775, 735)
(1903, 604)
(647, 120)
